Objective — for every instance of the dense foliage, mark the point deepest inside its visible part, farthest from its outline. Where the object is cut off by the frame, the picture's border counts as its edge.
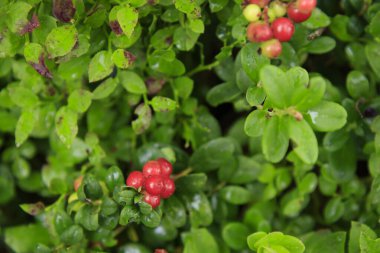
(278, 154)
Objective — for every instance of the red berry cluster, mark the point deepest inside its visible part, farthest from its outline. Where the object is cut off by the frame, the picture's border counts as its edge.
(154, 181)
(268, 24)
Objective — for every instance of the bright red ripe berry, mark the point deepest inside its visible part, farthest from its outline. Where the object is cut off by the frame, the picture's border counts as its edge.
(261, 3)
(259, 32)
(283, 29)
(154, 185)
(168, 189)
(135, 179)
(271, 48)
(151, 168)
(152, 200)
(306, 6)
(296, 15)
(166, 167)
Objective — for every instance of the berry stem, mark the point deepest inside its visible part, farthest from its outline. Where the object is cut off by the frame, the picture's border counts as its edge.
(183, 173)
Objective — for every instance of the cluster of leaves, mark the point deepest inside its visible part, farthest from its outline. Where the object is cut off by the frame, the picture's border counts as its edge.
(98, 88)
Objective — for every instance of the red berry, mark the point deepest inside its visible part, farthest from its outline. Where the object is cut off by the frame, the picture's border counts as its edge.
(271, 48)
(283, 29)
(261, 3)
(306, 6)
(151, 168)
(166, 167)
(152, 200)
(296, 15)
(135, 179)
(78, 182)
(160, 251)
(259, 32)
(154, 185)
(168, 189)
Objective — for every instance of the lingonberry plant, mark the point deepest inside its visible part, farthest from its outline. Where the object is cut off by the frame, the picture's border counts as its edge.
(189, 126)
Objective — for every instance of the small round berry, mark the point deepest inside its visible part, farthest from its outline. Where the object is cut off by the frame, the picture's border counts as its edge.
(252, 12)
(283, 29)
(160, 251)
(278, 8)
(154, 185)
(135, 179)
(78, 182)
(271, 48)
(261, 3)
(306, 6)
(259, 32)
(168, 189)
(151, 168)
(166, 167)
(152, 200)
(296, 15)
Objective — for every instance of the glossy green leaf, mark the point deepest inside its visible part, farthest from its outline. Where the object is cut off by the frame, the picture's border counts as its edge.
(127, 18)
(199, 240)
(24, 127)
(80, 100)
(17, 16)
(33, 52)
(217, 5)
(357, 84)
(163, 104)
(185, 38)
(305, 143)
(372, 51)
(275, 139)
(183, 86)
(66, 125)
(235, 195)
(200, 212)
(105, 89)
(327, 116)
(252, 61)
(101, 66)
(317, 20)
(122, 59)
(306, 97)
(255, 123)
(88, 217)
(234, 234)
(321, 45)
(61, 40)
(132, 82)
(222, 93)
(23, 97)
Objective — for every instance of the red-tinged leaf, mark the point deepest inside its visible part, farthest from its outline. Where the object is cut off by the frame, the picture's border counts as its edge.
(64, 10)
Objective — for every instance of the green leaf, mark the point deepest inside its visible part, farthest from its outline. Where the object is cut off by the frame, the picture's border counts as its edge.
(114, 177)
(222, 93)
(252, 61)
(357, 84)
(72, 235)
(122, 58)
(247, 171)
(317, 20)
(217, 5)
(66, 125)
(127, 18)
(17, 16)
(235, 195)
(212, 154)
(374, 26)
(188, 7)
(23, 97)
(129, 214)
(151, 220)
(163, 104)
(34, 208)
(100, 67)
(15, 237)
(321, 45)
(33, 52)
(276, 85)
(105, 89)
(192, 183)
(200, 212)
(61, 40)
(372, 51)
(327, 116)
(255, 123)
(306, 97)
(305, 143)
(88, 216)
(132, 82)
(254, 238)
(185, 38)
(275, 139)
(255, 96)
(325, 241)
(339, 27)
(199, 240)
(183, 86)
(308, 184)
(24, 127)
(80, 100)
(175, 211)
(235, 234)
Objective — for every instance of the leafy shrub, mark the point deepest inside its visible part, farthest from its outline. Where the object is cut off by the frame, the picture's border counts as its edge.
(278, 154)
